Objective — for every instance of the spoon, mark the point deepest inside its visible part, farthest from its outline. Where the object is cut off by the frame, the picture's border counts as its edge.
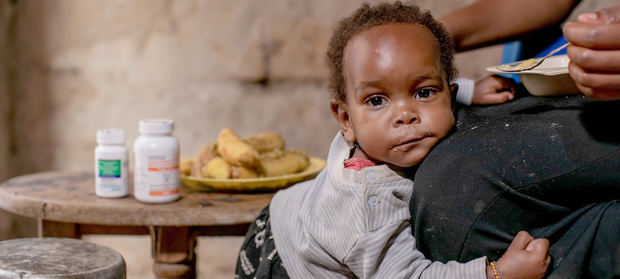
(530, 63)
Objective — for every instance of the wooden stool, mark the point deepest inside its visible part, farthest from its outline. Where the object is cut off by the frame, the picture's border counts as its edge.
(52, 257)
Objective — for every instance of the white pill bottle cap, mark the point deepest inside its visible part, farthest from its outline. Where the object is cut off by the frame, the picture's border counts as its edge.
(156, 126)
(110, 136)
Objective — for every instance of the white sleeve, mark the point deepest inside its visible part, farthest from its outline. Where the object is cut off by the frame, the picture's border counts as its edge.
(465, 94)
(390, 252)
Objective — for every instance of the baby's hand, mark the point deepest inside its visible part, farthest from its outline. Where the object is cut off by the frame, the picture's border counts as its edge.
(525, 258)
(493, 90)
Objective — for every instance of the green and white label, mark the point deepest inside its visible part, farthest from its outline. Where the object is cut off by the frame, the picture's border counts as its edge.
(109, 168)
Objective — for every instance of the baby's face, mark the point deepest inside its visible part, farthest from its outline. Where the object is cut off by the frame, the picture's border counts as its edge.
(398, 99)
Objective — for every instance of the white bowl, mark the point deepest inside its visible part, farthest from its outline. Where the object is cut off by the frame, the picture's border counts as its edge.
(550, 78)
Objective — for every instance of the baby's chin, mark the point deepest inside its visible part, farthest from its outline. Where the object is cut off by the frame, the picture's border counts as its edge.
(409, 161)
(405, 164)
(405, 171)
(404, 160)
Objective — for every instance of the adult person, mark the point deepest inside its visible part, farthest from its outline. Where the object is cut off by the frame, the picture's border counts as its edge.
(595, 53)
(595, 37)
(547, 165)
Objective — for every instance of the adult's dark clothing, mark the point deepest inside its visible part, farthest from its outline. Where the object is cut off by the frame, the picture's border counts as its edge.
(546, 165)
(258, 258)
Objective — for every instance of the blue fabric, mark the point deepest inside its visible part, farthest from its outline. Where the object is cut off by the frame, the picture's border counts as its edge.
(511, 53)
(551, 47)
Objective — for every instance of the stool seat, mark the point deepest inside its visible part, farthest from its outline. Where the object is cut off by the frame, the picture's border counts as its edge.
(52, 257)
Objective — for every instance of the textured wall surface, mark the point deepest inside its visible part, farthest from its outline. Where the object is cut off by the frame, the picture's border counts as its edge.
(250, 65)
(5, 51)
(11, 225)
(5, 220)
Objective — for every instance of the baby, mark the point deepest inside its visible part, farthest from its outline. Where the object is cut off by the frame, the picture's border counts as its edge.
(391, 68)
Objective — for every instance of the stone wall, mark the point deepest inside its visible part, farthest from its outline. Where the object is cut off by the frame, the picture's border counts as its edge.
(5, 223)
(11, 225)
(250, 65)
(5, 61)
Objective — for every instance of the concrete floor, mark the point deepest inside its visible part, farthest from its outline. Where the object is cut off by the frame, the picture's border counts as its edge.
(216, 256)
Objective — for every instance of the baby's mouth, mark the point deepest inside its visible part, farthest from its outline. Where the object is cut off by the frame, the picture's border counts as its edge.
(408, 143)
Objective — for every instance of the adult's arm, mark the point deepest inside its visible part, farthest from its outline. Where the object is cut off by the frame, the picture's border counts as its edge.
(488, 22)
(595, 53)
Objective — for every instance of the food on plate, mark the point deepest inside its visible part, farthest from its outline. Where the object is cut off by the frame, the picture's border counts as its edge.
(208, 152)
(242, 172)
(265, 142)
(260, 155)
(281, 162)
(185, 166)
(526, 64)
(236, 151)
(521, 66)
(217, 168)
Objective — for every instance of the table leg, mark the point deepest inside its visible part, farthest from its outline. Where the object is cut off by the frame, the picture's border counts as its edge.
(47, 228)
(173, 251)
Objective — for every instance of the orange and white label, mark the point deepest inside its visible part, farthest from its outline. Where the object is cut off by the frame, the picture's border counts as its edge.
(163, 193)
(163, 165)
(157, 178)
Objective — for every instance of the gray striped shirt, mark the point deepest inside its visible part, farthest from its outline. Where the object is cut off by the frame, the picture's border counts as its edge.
(354, 224)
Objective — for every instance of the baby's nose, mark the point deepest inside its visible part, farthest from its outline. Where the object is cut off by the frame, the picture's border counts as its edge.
(406, 117)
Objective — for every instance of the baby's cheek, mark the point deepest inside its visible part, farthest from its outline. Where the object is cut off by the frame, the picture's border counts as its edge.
(447, 122)
(452, 119)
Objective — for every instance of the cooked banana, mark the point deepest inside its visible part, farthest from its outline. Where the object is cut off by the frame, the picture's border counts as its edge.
(265, 142)
(196, 170)
(208, 152)
(261, 155)
(242, 172)
(281, 162)
(217, 168)
(185, 166)
(235, 151)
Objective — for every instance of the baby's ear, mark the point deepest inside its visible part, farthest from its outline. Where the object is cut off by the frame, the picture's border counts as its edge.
(454, 89)
(339, 111)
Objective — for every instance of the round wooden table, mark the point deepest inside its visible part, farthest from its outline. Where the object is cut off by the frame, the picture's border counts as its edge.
(65, 205)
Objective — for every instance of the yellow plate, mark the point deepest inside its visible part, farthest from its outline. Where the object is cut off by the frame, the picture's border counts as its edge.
(261, 184)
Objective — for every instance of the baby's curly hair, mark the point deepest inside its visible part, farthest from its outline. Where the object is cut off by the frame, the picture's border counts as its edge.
(366, 17)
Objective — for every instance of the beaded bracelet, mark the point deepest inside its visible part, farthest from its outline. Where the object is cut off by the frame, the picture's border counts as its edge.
(494, 268)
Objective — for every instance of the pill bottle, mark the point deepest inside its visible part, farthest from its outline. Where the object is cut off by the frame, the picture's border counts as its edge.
(111, 167)
(156, 162)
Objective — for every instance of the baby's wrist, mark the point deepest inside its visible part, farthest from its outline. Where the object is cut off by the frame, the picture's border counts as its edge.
(492, 270)
(489, 272)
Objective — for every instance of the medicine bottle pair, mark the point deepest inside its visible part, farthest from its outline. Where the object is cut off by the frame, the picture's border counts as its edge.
(156, 163)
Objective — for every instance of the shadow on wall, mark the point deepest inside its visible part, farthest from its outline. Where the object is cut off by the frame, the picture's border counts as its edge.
(27, 131)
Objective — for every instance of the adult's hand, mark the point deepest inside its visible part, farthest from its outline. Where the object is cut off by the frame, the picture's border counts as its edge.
(595, 53)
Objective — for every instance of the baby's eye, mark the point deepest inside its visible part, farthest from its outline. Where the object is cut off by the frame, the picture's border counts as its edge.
(376, 101)
(425, 93)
